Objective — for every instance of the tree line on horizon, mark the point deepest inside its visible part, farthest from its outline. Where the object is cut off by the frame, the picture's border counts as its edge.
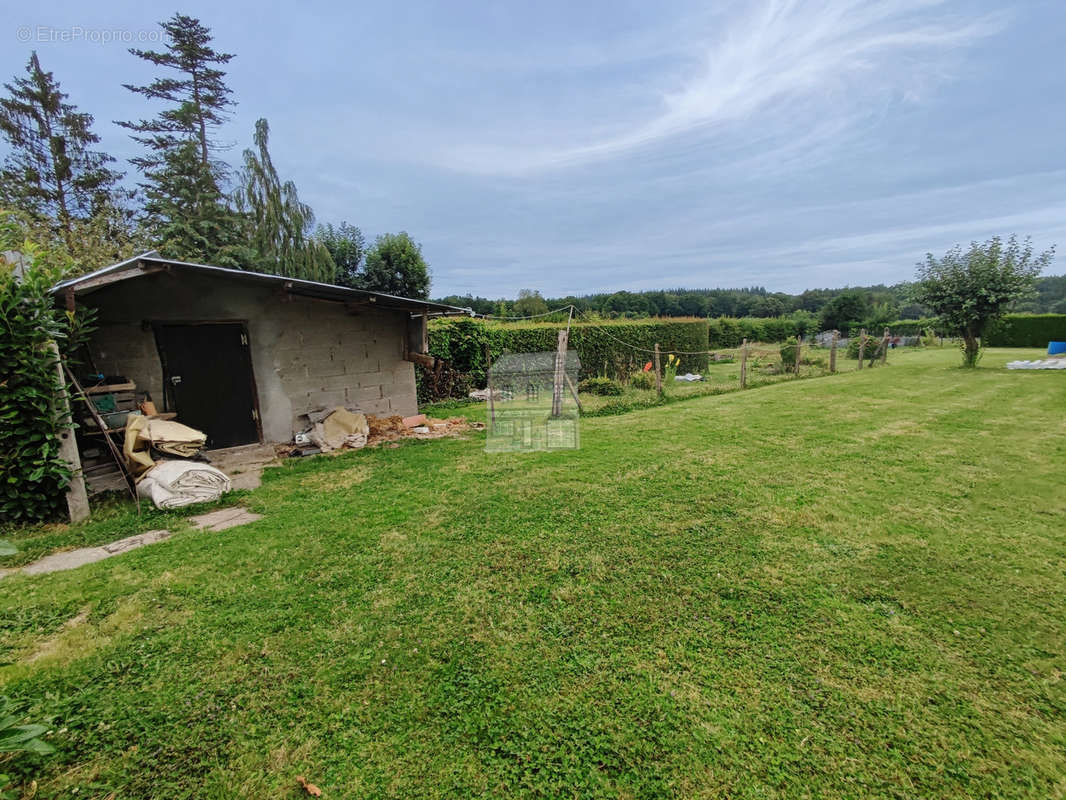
(188, 202)
(840, 309)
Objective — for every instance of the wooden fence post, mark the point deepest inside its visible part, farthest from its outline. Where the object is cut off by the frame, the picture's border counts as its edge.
(560, 374)
(488, 386)
(833, 352)
(744, 364)
(884, 347)
(862, 346)
(77, 496)
(799, 354)
(658, 372)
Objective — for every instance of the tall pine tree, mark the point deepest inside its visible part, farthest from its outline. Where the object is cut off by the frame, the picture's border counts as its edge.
(52, 174)
(279, 224)
(185, 203)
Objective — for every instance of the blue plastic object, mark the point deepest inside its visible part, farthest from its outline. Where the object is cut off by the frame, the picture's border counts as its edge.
(1056, 348)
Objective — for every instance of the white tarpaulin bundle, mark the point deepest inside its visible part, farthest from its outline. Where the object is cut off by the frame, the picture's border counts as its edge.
(172, 484)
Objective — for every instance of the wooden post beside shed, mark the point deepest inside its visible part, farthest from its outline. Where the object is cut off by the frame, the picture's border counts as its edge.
(77, 496)
(833, 352)
(658, 372)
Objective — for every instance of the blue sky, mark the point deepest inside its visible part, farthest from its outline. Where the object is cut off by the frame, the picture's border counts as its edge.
(606, 145)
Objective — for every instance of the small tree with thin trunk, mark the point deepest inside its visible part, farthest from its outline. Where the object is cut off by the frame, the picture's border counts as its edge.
(969, 289)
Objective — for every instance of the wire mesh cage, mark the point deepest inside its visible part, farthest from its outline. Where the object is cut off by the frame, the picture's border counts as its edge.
(533, 402)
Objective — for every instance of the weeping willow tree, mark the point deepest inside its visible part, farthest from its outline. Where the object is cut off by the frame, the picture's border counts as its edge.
(279, 224)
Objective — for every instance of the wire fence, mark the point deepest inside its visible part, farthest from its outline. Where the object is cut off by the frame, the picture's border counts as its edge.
(748, 365)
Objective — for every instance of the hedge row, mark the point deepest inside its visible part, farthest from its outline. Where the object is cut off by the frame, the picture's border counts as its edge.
(731, 331)
(1026, 330)
(605, 348)
(612, 348)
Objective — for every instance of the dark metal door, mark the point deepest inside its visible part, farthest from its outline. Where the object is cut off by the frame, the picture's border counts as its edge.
(207, 374)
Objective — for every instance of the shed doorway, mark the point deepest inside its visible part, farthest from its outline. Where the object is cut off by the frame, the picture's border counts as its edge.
(208, 380)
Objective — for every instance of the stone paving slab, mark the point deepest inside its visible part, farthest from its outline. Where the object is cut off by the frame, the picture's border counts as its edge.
(70, 559)
(224, 518)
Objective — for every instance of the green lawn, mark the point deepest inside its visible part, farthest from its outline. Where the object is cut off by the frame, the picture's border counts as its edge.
(852, 586)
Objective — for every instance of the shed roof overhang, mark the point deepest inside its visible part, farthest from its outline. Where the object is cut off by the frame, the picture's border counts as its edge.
(149, 263)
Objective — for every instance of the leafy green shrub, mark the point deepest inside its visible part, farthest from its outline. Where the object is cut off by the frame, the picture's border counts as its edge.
(870, 351)
(642, 380)
(32, 473)
(20, 738)
(600, 386)
(1026, 330)
(788, 352)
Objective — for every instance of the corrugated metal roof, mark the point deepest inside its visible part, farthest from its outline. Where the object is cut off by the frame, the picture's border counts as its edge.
(327, 291)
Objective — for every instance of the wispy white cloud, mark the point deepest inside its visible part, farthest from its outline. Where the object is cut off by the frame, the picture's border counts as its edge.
(790, 61)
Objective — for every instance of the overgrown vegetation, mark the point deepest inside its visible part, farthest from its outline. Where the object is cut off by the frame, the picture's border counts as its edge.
(699, 602)
(32, 473)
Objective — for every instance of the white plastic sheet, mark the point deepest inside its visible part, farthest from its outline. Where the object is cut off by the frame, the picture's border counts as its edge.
(1051, 363)
(173, 484)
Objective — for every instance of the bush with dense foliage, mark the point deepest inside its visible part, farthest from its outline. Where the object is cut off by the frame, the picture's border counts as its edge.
(32, 473)
(642, 379)
(1026, 330)
(601, 386)
(872, 343)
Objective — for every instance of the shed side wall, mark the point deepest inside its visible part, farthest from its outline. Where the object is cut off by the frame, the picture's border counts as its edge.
(307, 354)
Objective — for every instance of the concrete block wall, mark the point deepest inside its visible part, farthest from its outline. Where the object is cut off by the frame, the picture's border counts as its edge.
(306, 354)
